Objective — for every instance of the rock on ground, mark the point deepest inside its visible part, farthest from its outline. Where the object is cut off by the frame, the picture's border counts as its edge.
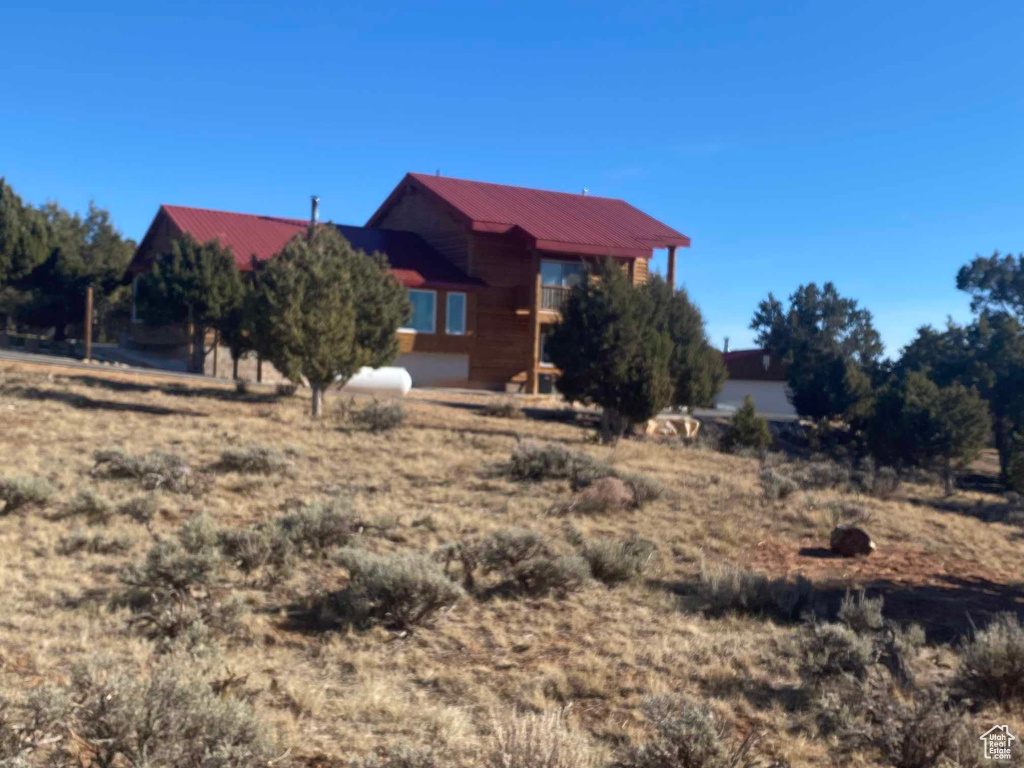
(850, 541)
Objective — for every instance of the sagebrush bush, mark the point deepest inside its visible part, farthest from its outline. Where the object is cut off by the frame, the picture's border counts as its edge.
(141, 509)
(538, 741)
(504, 409)
(643, 488)
(613, 561)
(19, 492)
(199, 534)
(94, 508)
(543, 462)
(992, 662)
(97, 544)
(722, 589)
(400, 590)
(319, 527)
(256, 459)
(920, 732)
(154, 470)
(251, 549)
(168, 570)
(168, 719)
(746, 430)
(521, 561)
(862, 613)
(820, 475)
(403, 757)
(687, 735)
(775, 485)
(377, 416)
(830, 649)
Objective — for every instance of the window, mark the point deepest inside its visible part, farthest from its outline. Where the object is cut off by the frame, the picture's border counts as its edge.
(424, 311)
(561, 273)
(455, 317)
(545, 359)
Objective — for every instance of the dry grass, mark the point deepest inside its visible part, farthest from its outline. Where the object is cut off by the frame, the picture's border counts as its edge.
(367, 694)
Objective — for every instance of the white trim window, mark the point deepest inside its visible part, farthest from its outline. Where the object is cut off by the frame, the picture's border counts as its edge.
(424, 312)
(455, 314)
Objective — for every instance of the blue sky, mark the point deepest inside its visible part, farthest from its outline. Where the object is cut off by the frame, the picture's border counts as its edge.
(875, 144)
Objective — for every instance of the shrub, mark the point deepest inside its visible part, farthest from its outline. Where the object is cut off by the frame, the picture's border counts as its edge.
(376, 416)
(18, 492)
(168, 570)
(821, 475)
(88, 504)
(154, 470)
(614, 561)
(168, 719)
(538, 741)
(861, 613)
(398, 590)
(687, 735)
(835, 649)
(542, 462)
(505, 409)
(403, 757)
(253, 548)
(992, 663)
(141, 509)
(242, 386)
(259, 459)
(920, 733)
(99, 544)
(199, 534)
(723, 589)
(746, 430)
(523, 563)
(777, 486)
(643, 488)
(319, 527)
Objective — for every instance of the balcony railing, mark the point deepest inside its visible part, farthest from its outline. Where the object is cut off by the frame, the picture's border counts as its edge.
(552, 297)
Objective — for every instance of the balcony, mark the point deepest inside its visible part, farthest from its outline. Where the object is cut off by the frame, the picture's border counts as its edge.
(552, 297)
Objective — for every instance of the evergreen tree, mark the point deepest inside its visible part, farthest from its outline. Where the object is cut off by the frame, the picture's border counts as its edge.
(829, 347)
(23, 237)
(996, 284)
(194, 283)
(918, 423)
(987, 355)
(322, 311)
(697, 369)
(747, 429)
(613, 350)
(81, 252)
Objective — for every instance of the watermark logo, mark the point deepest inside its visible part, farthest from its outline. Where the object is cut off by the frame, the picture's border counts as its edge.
(998, 741)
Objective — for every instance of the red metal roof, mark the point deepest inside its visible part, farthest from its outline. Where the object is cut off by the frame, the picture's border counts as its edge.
(554, 221)
(413, 262)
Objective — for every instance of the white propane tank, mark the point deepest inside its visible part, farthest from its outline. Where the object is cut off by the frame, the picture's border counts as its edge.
(379, 382)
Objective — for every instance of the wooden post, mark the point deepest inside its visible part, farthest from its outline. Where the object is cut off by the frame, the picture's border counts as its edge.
(670, 278)
(216, 346)
(88, 324)
(532, 381)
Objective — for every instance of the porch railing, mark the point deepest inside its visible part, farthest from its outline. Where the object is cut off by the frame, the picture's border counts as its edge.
(552, 297)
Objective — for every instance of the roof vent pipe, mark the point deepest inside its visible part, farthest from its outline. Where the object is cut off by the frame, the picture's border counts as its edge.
(314, 213)
(726, 349)
(586, 191)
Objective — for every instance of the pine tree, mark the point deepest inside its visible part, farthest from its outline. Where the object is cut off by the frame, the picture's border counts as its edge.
(323, 310)
(194, 283)
(23, 237)
(612, 351)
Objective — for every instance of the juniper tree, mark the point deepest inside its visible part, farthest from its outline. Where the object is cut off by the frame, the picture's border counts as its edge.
(697, 369)
(23, 236)
(612, 351)
(918, 423)
(829, 347)
(324, 310)
(194, 283)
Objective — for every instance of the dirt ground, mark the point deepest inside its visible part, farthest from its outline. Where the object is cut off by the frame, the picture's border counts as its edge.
(333, 697)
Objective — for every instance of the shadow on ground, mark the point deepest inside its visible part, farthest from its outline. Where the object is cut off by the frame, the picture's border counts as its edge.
(92, 404)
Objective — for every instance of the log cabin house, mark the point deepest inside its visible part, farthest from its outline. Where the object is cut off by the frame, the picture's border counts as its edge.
(487, 267)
